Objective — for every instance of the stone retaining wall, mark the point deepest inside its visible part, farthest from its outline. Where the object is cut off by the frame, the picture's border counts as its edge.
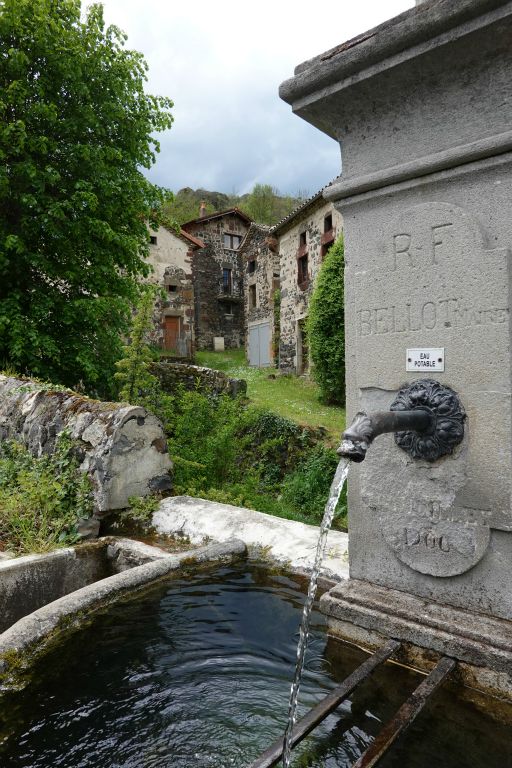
(121, 447)
(193, 377)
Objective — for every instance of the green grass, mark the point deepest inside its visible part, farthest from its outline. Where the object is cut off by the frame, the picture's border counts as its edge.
(289, 396)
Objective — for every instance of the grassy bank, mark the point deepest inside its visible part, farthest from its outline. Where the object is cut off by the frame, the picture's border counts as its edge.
(292, 397)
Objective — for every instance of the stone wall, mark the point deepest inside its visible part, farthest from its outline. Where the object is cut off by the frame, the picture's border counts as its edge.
(194, 377)
(121, 447)
(218, 310)
(295, 294)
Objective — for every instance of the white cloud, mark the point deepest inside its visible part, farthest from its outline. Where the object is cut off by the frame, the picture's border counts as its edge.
(222, 64)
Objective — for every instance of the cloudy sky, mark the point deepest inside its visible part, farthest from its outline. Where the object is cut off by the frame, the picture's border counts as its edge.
(222, 63)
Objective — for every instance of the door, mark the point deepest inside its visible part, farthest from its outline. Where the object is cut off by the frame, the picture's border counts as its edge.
(171, 333)
(259, 345)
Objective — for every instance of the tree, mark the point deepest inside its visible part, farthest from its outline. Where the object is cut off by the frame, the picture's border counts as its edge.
(266, 206)
(133, 370)
(75, 129)
(326, 326)
(185, 205)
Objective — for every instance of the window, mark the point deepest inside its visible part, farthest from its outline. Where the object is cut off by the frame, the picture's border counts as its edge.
(227, 280)
(231, 241)
(251, 267)
(152, 239)
(303, 241)
(327, 238)
(302, 270)
(252, 297)
(172, 288)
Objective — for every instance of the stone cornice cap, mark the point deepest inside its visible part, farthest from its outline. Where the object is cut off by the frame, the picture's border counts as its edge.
(393, 38)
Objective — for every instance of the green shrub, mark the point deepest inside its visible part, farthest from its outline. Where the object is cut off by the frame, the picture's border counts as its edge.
(326, 327)
(203, 433)
(41, 498)
(306, 490)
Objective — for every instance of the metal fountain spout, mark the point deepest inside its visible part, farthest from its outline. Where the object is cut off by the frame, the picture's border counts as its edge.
(356, 440)
(426, 417)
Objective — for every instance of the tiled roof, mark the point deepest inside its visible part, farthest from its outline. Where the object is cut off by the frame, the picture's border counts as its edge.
(219, 214)
(194, 240)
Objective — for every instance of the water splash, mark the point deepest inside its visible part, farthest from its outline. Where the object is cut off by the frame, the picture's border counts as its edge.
(334, 495)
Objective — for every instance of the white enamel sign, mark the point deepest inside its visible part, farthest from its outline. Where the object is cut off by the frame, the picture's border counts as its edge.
(425, 360)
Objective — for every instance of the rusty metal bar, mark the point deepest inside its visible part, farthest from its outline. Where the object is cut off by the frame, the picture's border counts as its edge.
(305, 725)
(406, 714)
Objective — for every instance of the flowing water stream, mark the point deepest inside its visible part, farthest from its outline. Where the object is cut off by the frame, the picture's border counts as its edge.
(334, 494)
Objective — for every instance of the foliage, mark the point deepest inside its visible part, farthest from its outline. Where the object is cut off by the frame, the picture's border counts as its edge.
(226, 450)
(264, 204)
(75, 129)
(185, 205)
(141, 509)
(41, 498)
(308, 486)
(133, 374)
(326, 327)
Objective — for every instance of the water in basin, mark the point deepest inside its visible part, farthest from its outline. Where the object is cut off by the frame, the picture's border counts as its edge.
(196, 673)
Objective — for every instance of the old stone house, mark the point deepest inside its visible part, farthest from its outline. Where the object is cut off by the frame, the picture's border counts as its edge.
(171, 256)
(218, 278)
(304, 237)
(260, 260)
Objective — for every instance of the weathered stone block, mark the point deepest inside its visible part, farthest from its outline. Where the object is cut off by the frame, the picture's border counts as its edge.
(122, 447)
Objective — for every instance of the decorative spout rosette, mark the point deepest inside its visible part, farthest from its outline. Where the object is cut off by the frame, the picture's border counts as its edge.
(448, 429)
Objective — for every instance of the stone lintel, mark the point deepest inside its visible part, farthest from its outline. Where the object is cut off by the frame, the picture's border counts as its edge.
(367, 614)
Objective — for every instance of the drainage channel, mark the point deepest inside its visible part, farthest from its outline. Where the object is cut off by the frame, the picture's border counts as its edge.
(389, 733)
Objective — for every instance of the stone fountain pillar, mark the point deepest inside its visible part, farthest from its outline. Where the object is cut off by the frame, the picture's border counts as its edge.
(422, 109)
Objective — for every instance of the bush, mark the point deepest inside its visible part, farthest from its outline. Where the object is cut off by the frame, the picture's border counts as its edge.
(306, 490)
(225, 451)
(326, 327)
(41, 498)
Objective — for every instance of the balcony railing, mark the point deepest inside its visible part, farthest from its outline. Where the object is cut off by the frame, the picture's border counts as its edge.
(229, 291)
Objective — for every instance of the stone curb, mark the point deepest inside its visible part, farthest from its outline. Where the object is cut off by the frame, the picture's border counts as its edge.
(287, 542)
(30, 633)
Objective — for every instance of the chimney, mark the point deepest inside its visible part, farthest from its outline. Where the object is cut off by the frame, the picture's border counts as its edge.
(202, 209)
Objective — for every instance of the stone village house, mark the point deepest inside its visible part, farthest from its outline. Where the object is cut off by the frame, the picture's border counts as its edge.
(199, 270)
(171, 255)
(218, 278)
(289, 254)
